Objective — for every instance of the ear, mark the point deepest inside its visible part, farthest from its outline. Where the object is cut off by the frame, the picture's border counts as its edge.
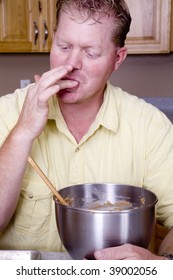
(121, 55)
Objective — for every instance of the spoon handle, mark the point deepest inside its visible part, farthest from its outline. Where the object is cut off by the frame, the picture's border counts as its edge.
(46, 180)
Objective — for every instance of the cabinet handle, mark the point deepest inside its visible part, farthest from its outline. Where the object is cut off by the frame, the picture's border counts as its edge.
(40, 6)
(46, 33)
(36, 33)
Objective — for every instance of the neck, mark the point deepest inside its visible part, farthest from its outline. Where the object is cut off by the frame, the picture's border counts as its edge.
(79, 117)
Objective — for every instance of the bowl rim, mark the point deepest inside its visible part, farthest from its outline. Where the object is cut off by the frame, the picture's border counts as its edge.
(92, 211)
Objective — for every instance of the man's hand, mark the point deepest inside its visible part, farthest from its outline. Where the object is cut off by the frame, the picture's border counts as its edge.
(34, 114)
(126, 252)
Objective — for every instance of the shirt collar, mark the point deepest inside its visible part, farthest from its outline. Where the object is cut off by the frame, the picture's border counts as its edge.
(55, 113)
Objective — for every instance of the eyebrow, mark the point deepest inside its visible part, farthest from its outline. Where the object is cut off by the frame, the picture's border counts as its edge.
(87, 45)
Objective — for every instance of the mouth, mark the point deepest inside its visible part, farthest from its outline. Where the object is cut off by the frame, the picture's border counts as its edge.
(70, 78)
(71, 89)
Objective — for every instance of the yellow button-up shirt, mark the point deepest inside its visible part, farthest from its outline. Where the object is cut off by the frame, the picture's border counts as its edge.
(130, 142)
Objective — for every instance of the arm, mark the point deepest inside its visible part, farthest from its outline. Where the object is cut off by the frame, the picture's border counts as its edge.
(15, 150)
(167, 243)
(13, 158)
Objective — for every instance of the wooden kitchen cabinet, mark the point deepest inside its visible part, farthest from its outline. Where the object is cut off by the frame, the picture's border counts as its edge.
(172, 27)
(15, 26)
(158, 235)
(42, 24)
(26, 26)
(151, 26)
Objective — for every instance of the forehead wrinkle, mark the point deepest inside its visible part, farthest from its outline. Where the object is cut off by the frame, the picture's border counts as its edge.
(69, 16)
(84, 15)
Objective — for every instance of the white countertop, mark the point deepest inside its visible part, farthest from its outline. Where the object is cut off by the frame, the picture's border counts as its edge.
(32, 255)
(55, 256)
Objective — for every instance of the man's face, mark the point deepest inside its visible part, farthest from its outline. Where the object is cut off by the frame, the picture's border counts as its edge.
(87, 46)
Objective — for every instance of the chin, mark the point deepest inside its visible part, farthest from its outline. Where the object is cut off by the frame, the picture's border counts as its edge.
(67, 97)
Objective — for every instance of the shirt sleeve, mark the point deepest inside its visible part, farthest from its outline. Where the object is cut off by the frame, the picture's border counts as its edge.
(159, 167)
(10, 107)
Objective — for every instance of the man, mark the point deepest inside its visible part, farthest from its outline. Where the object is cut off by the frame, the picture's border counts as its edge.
(80, 129)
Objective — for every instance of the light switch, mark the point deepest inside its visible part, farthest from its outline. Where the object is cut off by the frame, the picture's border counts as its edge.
(24, 83)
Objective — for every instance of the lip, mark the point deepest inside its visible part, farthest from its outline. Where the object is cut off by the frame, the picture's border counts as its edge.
(70, 89)
(73, 88)
(69, 78)
(73, 79)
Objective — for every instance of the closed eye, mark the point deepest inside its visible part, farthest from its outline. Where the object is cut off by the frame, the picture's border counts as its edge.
(64, 47)
(91, 54)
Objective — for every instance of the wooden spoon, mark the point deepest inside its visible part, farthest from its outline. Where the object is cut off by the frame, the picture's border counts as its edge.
(46, 180)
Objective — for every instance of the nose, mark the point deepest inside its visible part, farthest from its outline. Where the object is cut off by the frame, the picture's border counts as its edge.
(75, 59)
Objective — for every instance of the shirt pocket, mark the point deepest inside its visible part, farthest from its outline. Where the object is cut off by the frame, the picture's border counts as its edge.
(34, 208)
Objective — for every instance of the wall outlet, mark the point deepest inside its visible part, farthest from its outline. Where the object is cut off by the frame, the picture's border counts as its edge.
(24, 83)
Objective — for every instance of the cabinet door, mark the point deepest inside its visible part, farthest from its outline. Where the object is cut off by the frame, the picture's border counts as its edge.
(150, 28)
(15, 26)
(43, 14)
(172, 27)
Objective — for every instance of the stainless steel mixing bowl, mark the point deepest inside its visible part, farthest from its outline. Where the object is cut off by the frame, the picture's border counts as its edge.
(84, 228)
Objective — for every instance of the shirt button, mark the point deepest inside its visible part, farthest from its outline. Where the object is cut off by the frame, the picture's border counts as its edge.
(77, 150)
(30, 195)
